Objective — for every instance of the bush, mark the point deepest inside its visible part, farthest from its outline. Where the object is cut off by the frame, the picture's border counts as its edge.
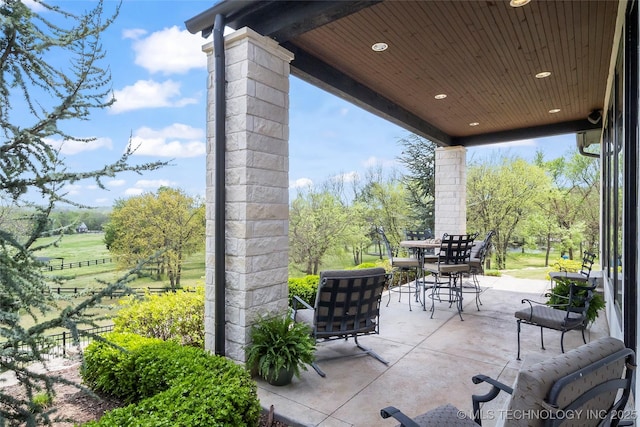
(169, 316)
(110, 366)
(305, 287)
(171, 385)
(570, 265)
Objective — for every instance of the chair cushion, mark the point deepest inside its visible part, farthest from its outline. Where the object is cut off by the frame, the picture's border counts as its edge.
(445, 415)
(406, 262)
(550, 317)
(534, 383)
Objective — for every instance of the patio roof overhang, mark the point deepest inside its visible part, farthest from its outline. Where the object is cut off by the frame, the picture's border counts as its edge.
(483, 55)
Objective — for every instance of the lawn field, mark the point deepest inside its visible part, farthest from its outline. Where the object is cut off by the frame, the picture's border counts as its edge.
(88, 247)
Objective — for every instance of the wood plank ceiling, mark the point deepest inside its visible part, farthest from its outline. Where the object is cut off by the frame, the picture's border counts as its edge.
(484, 55)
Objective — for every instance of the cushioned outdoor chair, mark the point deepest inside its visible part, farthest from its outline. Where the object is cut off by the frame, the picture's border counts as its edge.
(570, 315)
(580, 276)
(406, 265)
(347, 306)
(587, 386)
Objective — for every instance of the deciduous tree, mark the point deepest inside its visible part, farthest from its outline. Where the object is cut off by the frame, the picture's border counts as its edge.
(500, 196)
(168, 223)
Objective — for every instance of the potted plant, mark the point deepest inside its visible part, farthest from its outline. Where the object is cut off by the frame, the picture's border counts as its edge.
(279, 348)
(560, 294)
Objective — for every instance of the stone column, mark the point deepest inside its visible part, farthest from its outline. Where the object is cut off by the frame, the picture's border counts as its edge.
(451, 191)
(257, 181)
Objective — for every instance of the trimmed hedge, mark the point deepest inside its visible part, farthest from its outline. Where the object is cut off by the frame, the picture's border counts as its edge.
(305, 287)
(168, 384)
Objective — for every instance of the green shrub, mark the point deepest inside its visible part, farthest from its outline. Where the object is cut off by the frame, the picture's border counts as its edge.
(194, 401)
(367, 265)
(110, 366)
(570, 265)
(173, 385)
(169, 316)
(304, 287)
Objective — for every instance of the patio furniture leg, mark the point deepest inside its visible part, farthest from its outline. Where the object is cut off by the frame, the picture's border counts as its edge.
(369, 351)
(542, 338)
(315, 366)
(518, 356)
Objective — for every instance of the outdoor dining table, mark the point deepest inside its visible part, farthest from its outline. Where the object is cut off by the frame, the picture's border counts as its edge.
(420, 247)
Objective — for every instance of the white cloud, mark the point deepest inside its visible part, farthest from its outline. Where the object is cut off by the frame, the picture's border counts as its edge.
(347, 177)
(143, 185)
(133, 191)
(69, 147)
(149, 94)
(153, 183)
(301, 183)
(133, 33)
(376, 161)
(176, 141)
(168, 51)
(72, 189)
(116, 183)
(372, 161)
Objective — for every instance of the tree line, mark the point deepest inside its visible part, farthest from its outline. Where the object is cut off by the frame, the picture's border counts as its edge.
(549, 204)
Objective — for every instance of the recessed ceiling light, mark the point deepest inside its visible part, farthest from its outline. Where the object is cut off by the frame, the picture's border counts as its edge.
(474, 124)
(440, 96)
(518, 3)
(379, 47)
(543, 74)
(554, 110)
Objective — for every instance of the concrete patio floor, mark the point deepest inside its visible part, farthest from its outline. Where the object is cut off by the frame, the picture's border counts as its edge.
(431, 361)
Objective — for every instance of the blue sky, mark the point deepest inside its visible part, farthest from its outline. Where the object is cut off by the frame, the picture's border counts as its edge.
(159, 80)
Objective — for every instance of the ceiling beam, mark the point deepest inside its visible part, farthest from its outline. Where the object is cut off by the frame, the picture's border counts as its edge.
(526, 133)
(280, 20)
(285, 20)
(322, 75)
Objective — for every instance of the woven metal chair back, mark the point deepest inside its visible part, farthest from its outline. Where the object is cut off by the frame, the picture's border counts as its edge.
(455, 248)
(348, 302)
(587, 263)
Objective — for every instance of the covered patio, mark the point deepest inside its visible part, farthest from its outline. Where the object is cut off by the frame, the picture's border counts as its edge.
(459, 73)
(431, 361)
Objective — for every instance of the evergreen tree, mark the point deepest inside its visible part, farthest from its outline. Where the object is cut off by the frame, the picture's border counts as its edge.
(39, 94)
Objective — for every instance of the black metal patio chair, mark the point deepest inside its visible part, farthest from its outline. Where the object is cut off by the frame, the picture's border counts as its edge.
(404, 266)
(570, 315)
(452, 263)
(587, 386)
(477, 258)
(347, 306)
(583, 275)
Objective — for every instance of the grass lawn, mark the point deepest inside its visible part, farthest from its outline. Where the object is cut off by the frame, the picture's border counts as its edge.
(85, 247)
